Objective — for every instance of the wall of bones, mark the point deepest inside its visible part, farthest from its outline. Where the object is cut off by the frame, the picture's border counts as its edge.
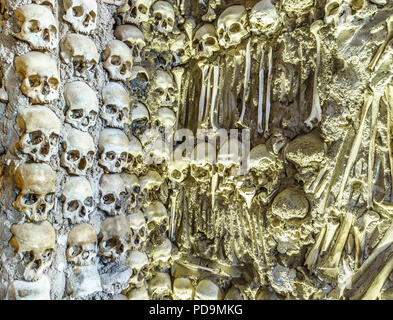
(93, 204)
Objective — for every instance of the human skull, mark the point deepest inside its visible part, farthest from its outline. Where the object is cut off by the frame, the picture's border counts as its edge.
(81, 245)
(38, 27)
(118, 60)
(41, 130)
(36, 198)
(133, 38)
(183, 289)
(180, 49)
(136, 155)
(157, 216)
(116, 105)
(166, 119)
(113, 194)
(133, 187)
(140, 118)
(164, 88)
(290, 204)
(204, 156)
(205, 41)
(79, 50)
(35, 243)
(39, 75)
(81, 14)
(82, 105)
(78, 200)
(138, 229)
(160, 286)
(164, 17)
(178, 166)
(161, 253)
(139, 264)
(115, 238)
(140, 76)
(231, 26)
(79, 152)
(135, 11)
(264, 18)
(260, 159)
(229, 158)
(150, 184)
(115, 149)
(207, 290)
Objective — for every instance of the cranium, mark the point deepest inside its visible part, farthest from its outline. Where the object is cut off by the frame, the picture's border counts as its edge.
(166, 119)
(205, 41)
(260, 158)
(138, 294)
(138, 229)
(164, 16)
(229, 158)
(207, 290)
(133, 187)
(139, 77)
(23, 290)
(150, 184)
(81, 14)
(41, 130)
(178, 167)
(164, 88)
(35, 243)
(82, 105)
(133, 38)
(139, 264)
(38, 27)
(290, 204)
(113, 194)
(118, 60)
(183, 289)
(116, 105)
(36, 182)
(39, 75)
(139, 117)
(181, 50)
(78, 200)
(79, 50)
(82, 245)
(231, 26)
(161, 253)
(115, 150)
(264, 18)
(79, 152)
(157, 216)
(115, 238)
(136, 155)
(160, 286)
(204, 156)
(135, 11)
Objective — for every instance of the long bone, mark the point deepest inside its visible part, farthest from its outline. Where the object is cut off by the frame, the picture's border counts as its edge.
(387, 100)
(173, 198)
(381, 49)
(246, 84)
(178, 74)
(216, 75)
(316, 105)
(260, 89)
(202, 100)
(268, 91)
(205, 117)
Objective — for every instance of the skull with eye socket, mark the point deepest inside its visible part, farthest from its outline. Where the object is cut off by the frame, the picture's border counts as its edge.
(181, 51)
(164, 88)
(135, 11)
(157, 217)
(116, 105)
(140, 118)
(113, 194)
(164, 17)
(81, 245)
(231, 26)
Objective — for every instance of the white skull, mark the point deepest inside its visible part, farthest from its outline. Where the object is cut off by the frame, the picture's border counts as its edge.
(164, 88)
(118, 60)
(164, 16)
(180, 48)
(81, 245)
(36, 198)
(39, 75)
(166, 119)
(79, 50)
(204, 156)
(115, 238)
(178, 167)
(82, 105)
(140, 293)
(183, 289)
(160, 286)
(78, 200)
(207, 290)
(139, 264)
(79, 152)
(135, 11)
(205, 41)
(138, 229)
(115, 149)
(229, 158)
(133, 38)
(113, 194)
(81, 14)
(231, 26)
(161, 253)
(116, 105)
(24, 290)
(157, 217)
(140, 75)
(150, 184)
(140, 117)
(35, 243)
(136, 155)
(264, 18)
(41, 130)
(38, 27)
(133, 188)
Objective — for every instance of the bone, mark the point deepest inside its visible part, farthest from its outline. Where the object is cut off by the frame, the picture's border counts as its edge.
(268, 91)
(202, 101)
(216, 75)
(172, 222)
(260, 90)
(246, 84)
(315, 116)
(381, 49)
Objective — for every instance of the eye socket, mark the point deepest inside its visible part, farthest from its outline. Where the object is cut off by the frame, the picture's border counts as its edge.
(88, 202)
(29, 199)
(53, 82)
(210, 41)
(36, 137)
(235, 28)
(90, 156)
(115, 60)
(34, 81)
(50, 197)
(124, 156)
(170, 22)
(47, 255)
(160, 91)
(74, 251)
(108, 198)
(54, 139)
(28, 256)
(142, 9)
(33, 26)
(77, 11)
(73, 155)
(158, 16)
(221, 33)
(92, 115)
(76, 113)
(180, 52)
(110, 156)
(92, 15)
(110, 108)
(73, 205)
